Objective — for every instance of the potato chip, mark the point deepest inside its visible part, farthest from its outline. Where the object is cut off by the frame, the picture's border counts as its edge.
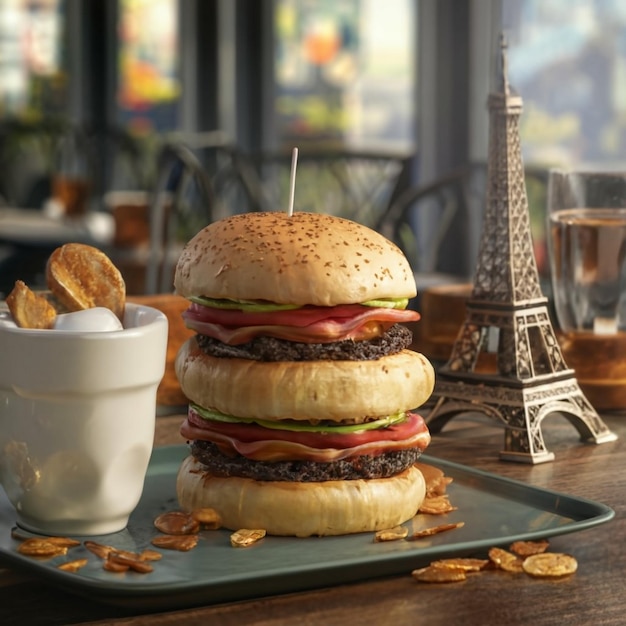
(81, 277)
(72, 566)
(136, 564)
(99, 549)
(506, 561)
(112, 566)
(126, 554)
(150, 555)
(526, 548)
(550, 564)
(434, 530)
(40, 547)
(432, 574)
(436, 505)
(245, 537)
(466, 564)
(436, 481)
(391, 534)
(207, 518)
(177, 523)
(182, 543)
(28, 309)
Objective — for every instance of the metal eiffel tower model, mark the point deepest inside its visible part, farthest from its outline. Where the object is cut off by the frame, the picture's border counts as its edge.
(506, 361)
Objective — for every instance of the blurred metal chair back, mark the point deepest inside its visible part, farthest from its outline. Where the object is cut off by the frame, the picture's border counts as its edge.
(356, 185)
(438, 225)
(181, 201)
(200, 178)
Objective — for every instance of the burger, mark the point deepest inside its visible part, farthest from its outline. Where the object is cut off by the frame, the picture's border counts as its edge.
(300, 380)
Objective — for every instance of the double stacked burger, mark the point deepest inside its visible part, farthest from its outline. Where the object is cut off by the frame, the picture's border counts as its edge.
(300, 381)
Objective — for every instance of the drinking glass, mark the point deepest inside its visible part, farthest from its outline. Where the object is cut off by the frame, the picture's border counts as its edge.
(587, 250)
(587, 221)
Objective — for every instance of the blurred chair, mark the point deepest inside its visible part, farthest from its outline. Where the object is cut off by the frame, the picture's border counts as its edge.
(182, 203)
(438, 225)
(236, 184)
(121, 161)
(431, 224)
(357, 185)
(200, 178)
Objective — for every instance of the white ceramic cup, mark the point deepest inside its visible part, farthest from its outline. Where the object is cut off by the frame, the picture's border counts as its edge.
(77, 418)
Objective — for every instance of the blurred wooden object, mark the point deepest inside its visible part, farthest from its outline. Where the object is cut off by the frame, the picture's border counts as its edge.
(130, 210)
(599, 362)
(169, 392)
(443, 312)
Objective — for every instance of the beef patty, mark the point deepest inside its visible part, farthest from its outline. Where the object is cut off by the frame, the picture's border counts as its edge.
(367, 466)
(397, 338)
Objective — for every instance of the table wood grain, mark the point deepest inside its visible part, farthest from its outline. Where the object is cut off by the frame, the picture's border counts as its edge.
(594, 595)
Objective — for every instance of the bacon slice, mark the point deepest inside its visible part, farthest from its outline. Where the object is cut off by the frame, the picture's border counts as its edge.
(308, 324)
(266, 444)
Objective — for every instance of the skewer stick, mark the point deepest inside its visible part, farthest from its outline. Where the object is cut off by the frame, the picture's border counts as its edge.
(292, 181)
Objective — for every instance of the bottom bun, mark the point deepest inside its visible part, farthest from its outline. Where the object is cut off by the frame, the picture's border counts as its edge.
(302, 509)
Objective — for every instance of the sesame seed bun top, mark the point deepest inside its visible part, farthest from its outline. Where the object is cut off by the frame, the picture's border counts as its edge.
(305, 258)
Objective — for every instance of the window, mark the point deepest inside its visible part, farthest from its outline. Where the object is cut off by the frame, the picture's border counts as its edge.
(32, 76)
(344, 72)
(568, 61)
(149, 90)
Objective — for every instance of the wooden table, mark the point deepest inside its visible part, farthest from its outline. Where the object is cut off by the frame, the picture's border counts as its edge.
(594, 595)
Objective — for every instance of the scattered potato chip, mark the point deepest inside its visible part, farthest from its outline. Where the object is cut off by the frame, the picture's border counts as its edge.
(432, 574)
(150, 555)
(434, 530)
(72, 566)
(466, 564)
(177, 523)
(182, 543)
(436, 505)
(436, 481)
(526, 548)
(245, 537)
(40, 547)
(550, 564)
(391, 534)
(113, 566)
(99, 549)
(28, 309)
(505, 560)
(207, 518)
(135, 563)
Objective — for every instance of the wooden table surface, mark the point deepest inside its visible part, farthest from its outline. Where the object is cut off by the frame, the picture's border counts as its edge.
(594, 595)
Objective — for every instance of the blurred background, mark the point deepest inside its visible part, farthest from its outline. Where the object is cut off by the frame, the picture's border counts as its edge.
(150, 118)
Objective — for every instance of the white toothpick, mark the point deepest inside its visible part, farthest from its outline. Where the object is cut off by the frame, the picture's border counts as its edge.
(292, 180)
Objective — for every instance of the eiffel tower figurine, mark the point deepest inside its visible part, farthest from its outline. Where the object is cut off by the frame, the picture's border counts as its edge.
(506, 361)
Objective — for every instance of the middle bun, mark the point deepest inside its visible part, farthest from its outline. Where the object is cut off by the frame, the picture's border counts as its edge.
(305, 390)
